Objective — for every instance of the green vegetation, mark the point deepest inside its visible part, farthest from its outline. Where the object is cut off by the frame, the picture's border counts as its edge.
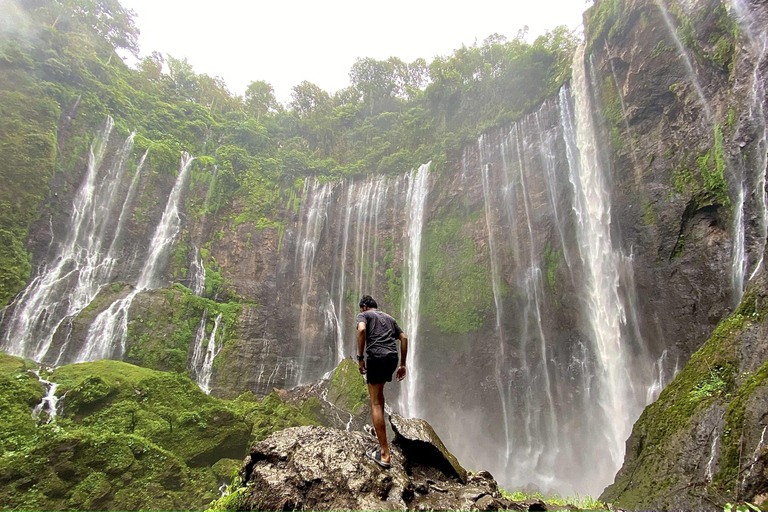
(160, 333)
(660, 48)
(348, 390)
(719, 48)
(713, 177)
(552, 263)
(56, 89)
(649, 215)
(585, 502)
(27, 157)
(393, 275)
(604, 20)
(708, 186)
(128, 438)
(456, 291)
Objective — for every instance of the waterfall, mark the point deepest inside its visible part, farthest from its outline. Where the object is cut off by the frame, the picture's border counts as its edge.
(754, 30)
(195, 361)
(197, 274)
(63, 287)
(166, 231)
(124, 212)
(739, 257)
(107, 335)
(49, 403)
(710, 471)
(496, 289)
(340, 309)
(415, 203)
(591, 207)
(205, 353)
(318, 199)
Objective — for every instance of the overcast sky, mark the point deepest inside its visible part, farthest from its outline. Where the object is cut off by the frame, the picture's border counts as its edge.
(286, 42)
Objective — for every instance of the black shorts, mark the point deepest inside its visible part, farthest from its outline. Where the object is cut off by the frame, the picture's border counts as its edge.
(380, 368)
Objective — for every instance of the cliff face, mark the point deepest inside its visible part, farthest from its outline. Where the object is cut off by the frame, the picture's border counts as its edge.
(553, 275)
(701, 444)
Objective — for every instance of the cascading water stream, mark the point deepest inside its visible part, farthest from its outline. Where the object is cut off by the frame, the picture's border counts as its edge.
(197, 274)
(535, 292)
(209, 353)
(195, 360)
(496, 289)
(81, 266)
(416, 198)
(756, 35)
(739, 259)
(107, 335)
(592, 210)
(124, 212)
(342, 289)
(319, 200)
(49, 403)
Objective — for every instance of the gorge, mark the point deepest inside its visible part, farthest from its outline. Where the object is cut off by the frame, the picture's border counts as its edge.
(556, 265)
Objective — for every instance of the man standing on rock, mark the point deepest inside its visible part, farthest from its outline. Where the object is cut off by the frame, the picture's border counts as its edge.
(377, 335)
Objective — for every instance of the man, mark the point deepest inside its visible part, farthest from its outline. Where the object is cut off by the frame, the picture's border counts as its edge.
(377, 334)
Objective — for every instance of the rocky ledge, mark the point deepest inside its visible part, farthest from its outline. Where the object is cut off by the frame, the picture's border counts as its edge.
(321, 468)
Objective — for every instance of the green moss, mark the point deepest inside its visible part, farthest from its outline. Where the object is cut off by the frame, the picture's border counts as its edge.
(723, 52)
(20, 390)
(27, 160)
(552, 263)
(604, 20)
(456, 291)
(706, 184)
(393, 276)
(159, 337)
(616, 140)
(233, 499)
(713, 176)
(684, 181)
(649, 215)
(609, 95)
(660, 48)
(128, 438)
(348, 390)
(272, 414)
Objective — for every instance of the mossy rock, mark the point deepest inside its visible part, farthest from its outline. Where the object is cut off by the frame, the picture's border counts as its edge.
(169, 409)
(20, 391)
(127, 438)
(272, 414)
(348, 390)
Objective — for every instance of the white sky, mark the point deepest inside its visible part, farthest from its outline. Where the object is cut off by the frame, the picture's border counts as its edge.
(284, 43)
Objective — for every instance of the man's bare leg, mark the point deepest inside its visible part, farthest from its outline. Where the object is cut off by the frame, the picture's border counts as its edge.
(376, 392)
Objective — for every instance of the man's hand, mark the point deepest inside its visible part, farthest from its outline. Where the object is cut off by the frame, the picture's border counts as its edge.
(361, 367)
(400, 373)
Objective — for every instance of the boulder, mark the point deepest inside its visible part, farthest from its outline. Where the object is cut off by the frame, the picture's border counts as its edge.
(321, 468)
(421, 443)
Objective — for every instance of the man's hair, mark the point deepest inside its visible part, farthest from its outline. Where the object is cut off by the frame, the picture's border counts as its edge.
(368, 302)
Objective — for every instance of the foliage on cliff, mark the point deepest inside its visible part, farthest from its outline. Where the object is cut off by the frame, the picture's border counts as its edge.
(61, 75)
(128, 438)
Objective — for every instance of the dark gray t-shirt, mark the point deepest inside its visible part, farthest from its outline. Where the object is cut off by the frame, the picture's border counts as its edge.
(381, 332)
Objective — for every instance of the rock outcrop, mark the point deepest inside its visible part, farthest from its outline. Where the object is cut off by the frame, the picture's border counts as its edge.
(702, 444)
(320, 468)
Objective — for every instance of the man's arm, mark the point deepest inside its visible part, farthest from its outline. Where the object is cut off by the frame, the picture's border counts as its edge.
(361, 345)
(403, 354)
